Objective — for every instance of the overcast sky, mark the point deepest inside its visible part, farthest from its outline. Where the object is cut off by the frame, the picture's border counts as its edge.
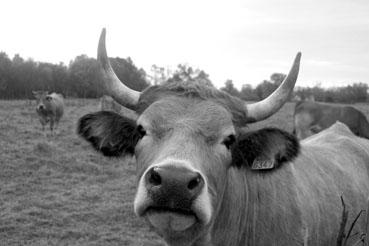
(245, 41)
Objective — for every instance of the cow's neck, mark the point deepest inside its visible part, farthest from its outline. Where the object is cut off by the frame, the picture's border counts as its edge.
(255, 206)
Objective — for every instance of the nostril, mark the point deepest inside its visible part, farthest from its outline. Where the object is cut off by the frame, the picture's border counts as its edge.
(195, 182)
(154, 177)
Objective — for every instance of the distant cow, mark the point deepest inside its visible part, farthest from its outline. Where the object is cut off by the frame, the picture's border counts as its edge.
(50, 108)
(202, 180)
(312, 117)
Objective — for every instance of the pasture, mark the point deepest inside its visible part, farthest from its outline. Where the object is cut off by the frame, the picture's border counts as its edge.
(55, 190)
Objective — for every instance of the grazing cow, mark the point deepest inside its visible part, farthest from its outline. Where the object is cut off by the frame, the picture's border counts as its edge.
(312, 117)
(203, 181)
(50, 108)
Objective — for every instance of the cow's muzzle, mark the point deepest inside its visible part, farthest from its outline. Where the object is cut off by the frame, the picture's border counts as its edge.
(175, 198)
(173, 187)
(41, 107)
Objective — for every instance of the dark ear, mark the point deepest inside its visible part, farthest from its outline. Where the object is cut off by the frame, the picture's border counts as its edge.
(264, 149)
(109, 133)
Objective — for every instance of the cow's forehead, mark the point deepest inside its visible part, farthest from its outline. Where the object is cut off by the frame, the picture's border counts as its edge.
(201, 115)
(43, 95)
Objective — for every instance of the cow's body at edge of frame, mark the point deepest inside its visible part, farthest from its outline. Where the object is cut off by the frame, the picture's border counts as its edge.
(300, 203)
(202, 181)
(311, 117)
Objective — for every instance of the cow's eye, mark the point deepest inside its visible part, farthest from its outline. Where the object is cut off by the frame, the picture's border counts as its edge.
(141, 131)
(229, 140)
(48, 98)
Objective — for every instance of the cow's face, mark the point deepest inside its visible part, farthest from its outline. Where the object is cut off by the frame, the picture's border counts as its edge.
(182, 160)
(184, 148)
(43, 100)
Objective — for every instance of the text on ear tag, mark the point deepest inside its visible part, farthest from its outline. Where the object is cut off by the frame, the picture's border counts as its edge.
(262, 164)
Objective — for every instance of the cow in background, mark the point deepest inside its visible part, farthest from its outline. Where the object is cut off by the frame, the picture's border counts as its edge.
(50, 108)
(312, 117)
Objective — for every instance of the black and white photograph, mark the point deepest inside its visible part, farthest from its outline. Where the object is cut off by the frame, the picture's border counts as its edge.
(184, 123)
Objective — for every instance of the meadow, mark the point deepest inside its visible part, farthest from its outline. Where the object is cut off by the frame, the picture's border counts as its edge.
(56, 190)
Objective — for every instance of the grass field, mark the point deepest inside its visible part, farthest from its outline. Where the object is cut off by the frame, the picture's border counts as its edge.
(55, 190)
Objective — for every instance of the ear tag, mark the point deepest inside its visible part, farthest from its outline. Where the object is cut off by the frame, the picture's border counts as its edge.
(262, 164)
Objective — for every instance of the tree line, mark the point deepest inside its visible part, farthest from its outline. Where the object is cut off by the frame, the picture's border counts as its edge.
(356, 92)
(81, 78)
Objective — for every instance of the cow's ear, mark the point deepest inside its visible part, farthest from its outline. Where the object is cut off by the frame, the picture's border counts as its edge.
(36, 94)
(264, 149)
(109, 133)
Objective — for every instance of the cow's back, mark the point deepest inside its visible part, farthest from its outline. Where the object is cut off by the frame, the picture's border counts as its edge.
(332, 164)
(299, 203)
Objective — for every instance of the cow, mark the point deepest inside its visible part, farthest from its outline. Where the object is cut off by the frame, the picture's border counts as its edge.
(205, 179)
(312, 117)
(50, 108)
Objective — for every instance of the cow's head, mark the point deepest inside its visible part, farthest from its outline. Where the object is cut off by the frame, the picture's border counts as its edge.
(185, 139)
(43, 100)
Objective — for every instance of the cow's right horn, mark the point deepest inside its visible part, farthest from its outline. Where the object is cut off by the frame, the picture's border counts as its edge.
(114, 87)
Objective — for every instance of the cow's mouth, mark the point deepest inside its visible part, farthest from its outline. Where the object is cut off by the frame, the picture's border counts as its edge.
(171, 219)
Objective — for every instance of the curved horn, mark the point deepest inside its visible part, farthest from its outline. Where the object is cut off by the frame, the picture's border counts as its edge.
(114, 87)
(265, 108)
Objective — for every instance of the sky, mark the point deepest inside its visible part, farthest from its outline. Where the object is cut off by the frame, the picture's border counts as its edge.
(245, 41)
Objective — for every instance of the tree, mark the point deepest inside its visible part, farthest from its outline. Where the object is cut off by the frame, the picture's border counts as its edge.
(159, 75)
(247, 93)
(128, 73)
(264, 89)
(277, 78)
(5, 73)
(185, 73)
(24, 76)
(84, 78)
(60, 78)
(81, 78)
(230, 89)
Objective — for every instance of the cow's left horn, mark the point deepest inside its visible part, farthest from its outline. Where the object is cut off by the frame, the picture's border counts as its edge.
(267, 107)
(114, 87)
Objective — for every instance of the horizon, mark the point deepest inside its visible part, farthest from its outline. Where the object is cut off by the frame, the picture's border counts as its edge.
(317, 84)
(245, 41)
